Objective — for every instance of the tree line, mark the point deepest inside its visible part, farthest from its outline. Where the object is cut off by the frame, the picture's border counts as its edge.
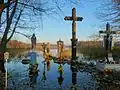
(98, 52)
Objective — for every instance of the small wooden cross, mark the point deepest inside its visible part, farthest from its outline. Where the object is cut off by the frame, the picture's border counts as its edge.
(74, 40)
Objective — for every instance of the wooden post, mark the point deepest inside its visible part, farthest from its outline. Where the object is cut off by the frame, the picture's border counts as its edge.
(74, 40)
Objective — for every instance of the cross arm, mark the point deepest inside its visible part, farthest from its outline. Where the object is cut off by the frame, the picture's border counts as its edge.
(102, 32)
(111, 32)
(68, 18)
(71, 18)
(79, 18)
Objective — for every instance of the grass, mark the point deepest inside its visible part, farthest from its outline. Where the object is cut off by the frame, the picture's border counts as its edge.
(92, 52)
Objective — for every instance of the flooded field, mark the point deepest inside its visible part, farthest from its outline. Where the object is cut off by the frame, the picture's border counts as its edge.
(48, 77)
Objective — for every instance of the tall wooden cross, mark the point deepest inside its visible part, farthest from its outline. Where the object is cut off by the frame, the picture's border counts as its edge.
(108, 38)
(74, 40)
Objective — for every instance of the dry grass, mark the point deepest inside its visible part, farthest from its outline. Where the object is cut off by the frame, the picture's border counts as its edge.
(66, 53)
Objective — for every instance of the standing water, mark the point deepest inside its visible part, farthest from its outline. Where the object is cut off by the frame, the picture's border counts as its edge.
(50, 76)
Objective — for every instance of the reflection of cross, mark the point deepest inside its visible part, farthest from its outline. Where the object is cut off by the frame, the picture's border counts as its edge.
(44, 73)
(74, 77)
(74, 40)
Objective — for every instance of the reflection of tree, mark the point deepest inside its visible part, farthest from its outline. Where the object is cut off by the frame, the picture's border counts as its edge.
(60, 78)
(48, 65)
(2, 81)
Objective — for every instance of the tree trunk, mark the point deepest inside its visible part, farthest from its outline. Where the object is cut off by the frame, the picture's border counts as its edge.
(4, 40)
(2, 50)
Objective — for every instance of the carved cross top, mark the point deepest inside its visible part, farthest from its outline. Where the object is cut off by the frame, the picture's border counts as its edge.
(73, 17)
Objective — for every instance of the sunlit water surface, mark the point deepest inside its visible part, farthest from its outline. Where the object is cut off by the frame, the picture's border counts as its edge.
(47, 78)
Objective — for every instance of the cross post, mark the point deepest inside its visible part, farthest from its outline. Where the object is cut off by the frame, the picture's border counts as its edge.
(73, 18)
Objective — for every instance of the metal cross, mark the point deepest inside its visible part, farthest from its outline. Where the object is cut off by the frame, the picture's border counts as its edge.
(74, 40)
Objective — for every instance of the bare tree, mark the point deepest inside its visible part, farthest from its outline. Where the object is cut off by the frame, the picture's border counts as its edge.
(94, 36)
(9, 16)
(110, 11)
(21, 13)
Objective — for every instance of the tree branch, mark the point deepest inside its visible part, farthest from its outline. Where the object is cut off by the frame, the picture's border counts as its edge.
(34, 8)
(7, 4)
(28, 36)
(15, 25)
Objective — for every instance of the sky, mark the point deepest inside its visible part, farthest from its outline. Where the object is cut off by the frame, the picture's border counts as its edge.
(55, 29)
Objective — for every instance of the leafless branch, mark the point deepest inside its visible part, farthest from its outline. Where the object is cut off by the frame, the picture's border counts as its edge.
(15, 26)
(110, 11)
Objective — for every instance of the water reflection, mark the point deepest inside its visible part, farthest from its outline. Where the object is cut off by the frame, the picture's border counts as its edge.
(74, 76)
(60, 78)
(48, 65)
(44, 72)
(33, 74)
(52, 76)
(33, 78)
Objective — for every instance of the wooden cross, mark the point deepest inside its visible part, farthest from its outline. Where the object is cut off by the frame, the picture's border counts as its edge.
(108, 38)
(74, 40)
